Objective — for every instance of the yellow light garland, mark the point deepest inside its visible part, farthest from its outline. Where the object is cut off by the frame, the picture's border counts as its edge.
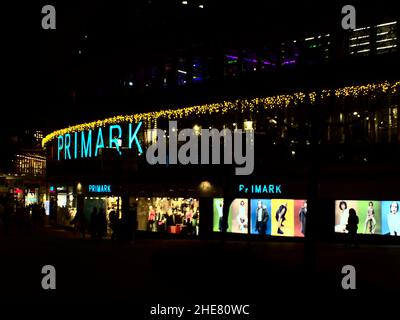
(278, 101)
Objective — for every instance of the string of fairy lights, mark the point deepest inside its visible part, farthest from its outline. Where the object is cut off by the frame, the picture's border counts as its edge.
(240, 105)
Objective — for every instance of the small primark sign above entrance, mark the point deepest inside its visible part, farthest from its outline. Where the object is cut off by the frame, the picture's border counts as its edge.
(260, 188)
(99, 188)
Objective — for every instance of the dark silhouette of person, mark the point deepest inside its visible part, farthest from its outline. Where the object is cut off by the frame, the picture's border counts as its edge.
(34, 215)
(93, 223)
(79, 223)
(302, 217)
(170, 219)
(352, 225)
(6, 216)
(101, 223)
(42, 214)
(128, 225)
(151, 218)
(261, 218)
(114, 221)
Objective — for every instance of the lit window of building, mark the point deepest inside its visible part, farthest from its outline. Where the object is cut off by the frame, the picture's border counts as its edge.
(38, 135)
(31, 165)
(386, 37)
(359, 41)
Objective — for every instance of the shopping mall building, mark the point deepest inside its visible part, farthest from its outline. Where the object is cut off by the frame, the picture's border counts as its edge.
(322, 147)
(104, 164)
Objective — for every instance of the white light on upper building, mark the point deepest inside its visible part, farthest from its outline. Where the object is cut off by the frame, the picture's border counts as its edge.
(359, 44)
(359, 29)
(387, 47)
(384, 40)
(359, 37)
(386, 24)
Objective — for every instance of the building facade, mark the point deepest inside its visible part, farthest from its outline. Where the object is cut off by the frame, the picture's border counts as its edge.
(311, 149)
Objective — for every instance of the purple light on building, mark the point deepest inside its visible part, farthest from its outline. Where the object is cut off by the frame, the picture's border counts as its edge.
(289, 62)
(250, 60)
(231, 57)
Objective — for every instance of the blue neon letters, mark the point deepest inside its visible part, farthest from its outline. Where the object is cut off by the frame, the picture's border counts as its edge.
(100, 188)
(85, 144)
(261, 188)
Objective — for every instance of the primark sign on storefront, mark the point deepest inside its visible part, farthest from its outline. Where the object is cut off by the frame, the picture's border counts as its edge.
(99, 188)
(87, 144)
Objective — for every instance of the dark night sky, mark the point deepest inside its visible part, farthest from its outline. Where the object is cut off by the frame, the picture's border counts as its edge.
(43, 65)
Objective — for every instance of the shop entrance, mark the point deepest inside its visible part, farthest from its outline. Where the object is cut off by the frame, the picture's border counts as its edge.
(105, 203)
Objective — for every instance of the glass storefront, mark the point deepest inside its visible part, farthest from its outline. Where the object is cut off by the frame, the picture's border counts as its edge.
(31, 196)
(66, 205)
(103, 204)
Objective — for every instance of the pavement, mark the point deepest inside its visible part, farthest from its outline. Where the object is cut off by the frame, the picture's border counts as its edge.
(150, 271)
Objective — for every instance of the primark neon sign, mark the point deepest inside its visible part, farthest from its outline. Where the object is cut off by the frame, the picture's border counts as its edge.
(87, 144)
(69, 143)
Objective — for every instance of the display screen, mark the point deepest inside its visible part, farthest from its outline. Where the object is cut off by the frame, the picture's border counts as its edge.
(168, 215)
(276, 217)
(367, 217)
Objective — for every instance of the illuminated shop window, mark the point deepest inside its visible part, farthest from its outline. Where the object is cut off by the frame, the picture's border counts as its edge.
(273, 217)
(168, 215)
(375, 217)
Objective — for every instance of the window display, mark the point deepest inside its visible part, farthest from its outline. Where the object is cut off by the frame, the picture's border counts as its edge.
(277, 217)
(374, 217)
(238, 220)
(169, 215)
